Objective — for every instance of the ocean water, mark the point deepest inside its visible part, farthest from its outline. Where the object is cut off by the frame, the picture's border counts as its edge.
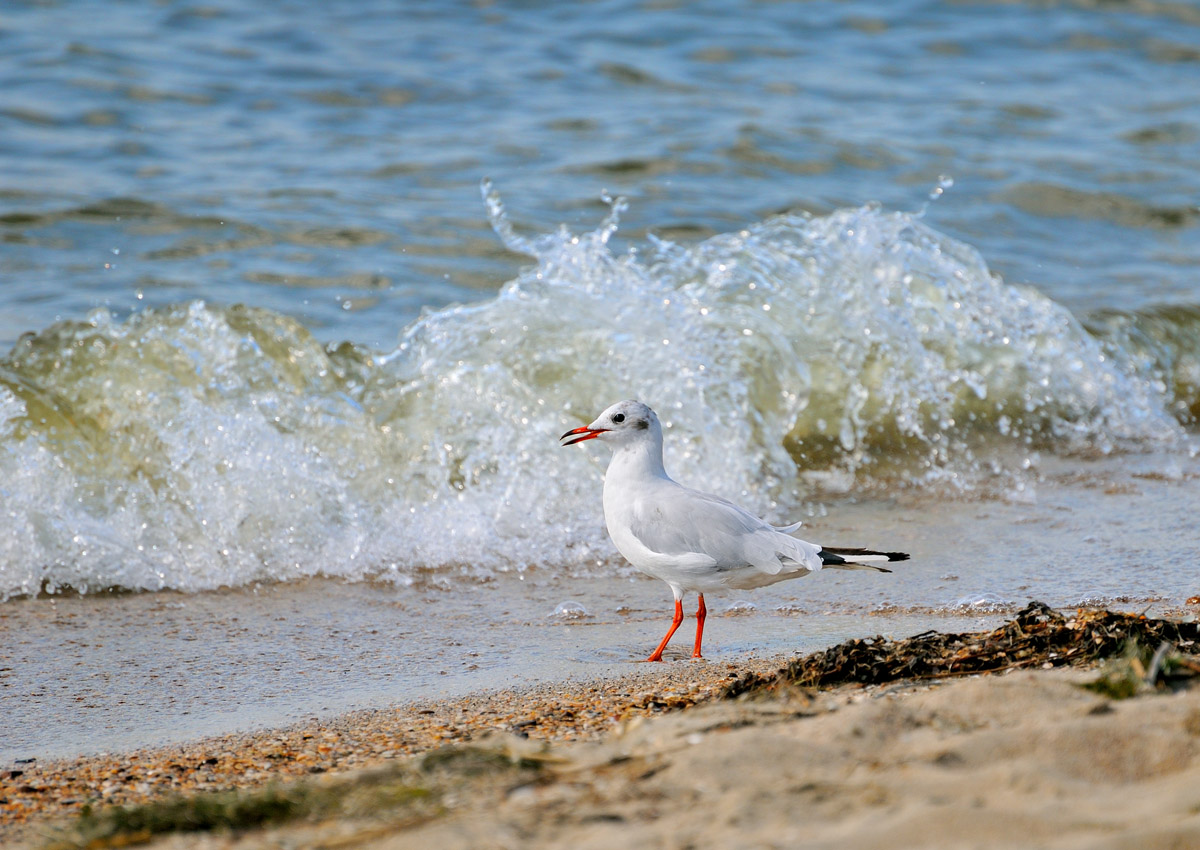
(298, 296)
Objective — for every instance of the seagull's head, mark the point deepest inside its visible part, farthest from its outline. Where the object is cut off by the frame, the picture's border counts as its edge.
(624, 422)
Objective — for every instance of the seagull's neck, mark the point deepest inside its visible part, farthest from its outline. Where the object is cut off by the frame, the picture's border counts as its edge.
(641, 459)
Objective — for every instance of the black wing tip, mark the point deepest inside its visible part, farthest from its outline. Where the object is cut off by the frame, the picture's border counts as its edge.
(851, 552)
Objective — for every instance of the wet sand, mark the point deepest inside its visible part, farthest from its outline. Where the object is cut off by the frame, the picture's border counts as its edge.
(1025, 759)
(113, 674)
(560, 711)
(1082, 710)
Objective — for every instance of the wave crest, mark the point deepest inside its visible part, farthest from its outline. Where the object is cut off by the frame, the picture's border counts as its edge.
(196, 446)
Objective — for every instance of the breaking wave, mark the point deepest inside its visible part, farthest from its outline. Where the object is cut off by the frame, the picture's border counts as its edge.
(199, 445)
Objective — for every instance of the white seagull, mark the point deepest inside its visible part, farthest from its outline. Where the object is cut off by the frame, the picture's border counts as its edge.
(693, 540)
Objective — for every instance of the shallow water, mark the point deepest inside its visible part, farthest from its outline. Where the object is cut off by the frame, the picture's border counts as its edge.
(922, 275)
(106, 673)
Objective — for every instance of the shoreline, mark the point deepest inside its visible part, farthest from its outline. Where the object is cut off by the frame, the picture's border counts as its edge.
(1020, 759)
(144, 671)
(741, 751)
(555, 711)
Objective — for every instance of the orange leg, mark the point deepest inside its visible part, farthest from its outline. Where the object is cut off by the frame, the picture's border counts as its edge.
(656, 655)
(701, 613)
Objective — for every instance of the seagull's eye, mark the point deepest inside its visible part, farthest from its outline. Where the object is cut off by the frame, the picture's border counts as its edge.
(618, 417)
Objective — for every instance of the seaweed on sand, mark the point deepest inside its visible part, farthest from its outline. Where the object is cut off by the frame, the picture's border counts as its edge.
(1038, 636)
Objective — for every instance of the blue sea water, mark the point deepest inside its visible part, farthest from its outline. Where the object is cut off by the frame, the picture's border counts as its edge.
(934, 261)
(322, 160)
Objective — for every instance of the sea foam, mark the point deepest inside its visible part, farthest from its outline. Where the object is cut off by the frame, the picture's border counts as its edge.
(200, 445)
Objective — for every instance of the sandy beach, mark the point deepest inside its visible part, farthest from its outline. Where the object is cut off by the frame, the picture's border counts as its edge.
(688, 755)
(298, 299)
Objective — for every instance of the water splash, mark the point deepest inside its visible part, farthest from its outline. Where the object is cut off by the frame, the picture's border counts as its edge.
(944, 182)
(196, 446)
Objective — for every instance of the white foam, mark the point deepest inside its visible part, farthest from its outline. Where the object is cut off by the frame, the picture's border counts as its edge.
(197, 446)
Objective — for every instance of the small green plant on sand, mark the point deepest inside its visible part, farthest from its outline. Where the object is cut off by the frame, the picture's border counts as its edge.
(1135, 670)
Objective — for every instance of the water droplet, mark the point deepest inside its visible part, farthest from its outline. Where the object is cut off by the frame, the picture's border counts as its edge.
(944, 182)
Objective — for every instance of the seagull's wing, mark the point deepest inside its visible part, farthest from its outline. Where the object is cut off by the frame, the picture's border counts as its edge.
(679, 521)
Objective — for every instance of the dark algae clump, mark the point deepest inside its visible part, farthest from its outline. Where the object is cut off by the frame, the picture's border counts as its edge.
(1038, 636)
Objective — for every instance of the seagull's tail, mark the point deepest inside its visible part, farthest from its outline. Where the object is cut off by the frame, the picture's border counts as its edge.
(864, 559)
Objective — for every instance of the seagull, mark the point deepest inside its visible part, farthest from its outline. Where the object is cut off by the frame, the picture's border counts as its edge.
(691, 540)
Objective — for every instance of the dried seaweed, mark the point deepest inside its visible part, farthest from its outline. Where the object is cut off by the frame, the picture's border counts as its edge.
(1038, 636)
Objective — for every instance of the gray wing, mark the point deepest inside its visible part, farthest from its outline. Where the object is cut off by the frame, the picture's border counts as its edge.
(680, 521)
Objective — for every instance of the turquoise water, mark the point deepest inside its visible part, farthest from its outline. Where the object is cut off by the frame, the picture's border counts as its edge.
(304, 291)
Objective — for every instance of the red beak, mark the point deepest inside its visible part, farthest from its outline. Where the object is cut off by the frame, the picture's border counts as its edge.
(588, 434)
